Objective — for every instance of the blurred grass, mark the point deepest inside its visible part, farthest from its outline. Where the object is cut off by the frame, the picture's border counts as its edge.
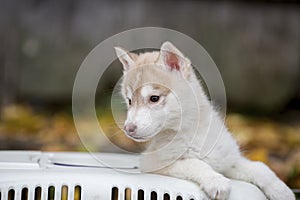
(22, 128)
(275, 143)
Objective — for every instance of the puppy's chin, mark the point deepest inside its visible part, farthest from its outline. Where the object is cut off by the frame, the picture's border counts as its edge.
(139, 139)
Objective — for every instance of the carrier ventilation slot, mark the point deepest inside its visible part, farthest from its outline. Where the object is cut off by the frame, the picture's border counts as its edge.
(64, 192)
(153, 195)
(37, 193)
(77, 195)
(179, 197)
(51, 193)
(114, 193)
(11, 194)
(166, 196)
(141, 194)
(127, 193)
(24, 194)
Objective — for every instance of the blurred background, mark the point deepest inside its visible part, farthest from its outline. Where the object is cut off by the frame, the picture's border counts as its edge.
(255, 44)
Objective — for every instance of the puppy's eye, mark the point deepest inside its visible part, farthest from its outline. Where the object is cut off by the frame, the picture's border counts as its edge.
(154, 98)
(129, 101)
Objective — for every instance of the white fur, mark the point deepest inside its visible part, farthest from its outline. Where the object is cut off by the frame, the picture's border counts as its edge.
(189, 125)
(146, 90)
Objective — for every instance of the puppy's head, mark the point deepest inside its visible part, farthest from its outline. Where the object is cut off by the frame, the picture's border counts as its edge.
(150, 87)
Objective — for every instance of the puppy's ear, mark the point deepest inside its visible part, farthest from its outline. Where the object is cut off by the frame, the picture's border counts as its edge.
(171, 59)
(125, 57)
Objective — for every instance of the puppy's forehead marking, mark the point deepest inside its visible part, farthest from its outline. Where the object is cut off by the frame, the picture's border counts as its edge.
(146, 90)
(129, 93)
(138, 77)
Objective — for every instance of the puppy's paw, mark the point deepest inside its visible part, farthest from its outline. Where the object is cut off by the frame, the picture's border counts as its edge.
(216, 187)
(278, 191)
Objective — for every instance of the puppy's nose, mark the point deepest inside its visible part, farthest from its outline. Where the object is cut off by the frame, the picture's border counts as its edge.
(130, 128)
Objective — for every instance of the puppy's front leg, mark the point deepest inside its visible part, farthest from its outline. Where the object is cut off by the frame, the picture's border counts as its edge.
(214, 184)
(260, 175)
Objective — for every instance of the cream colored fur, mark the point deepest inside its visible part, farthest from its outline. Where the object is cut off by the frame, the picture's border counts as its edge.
(187, 137)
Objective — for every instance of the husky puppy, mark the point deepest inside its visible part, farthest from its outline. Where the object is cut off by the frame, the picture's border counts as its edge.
(168, 107)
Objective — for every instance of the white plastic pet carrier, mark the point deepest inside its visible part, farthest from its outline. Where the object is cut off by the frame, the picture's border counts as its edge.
(81, 176)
